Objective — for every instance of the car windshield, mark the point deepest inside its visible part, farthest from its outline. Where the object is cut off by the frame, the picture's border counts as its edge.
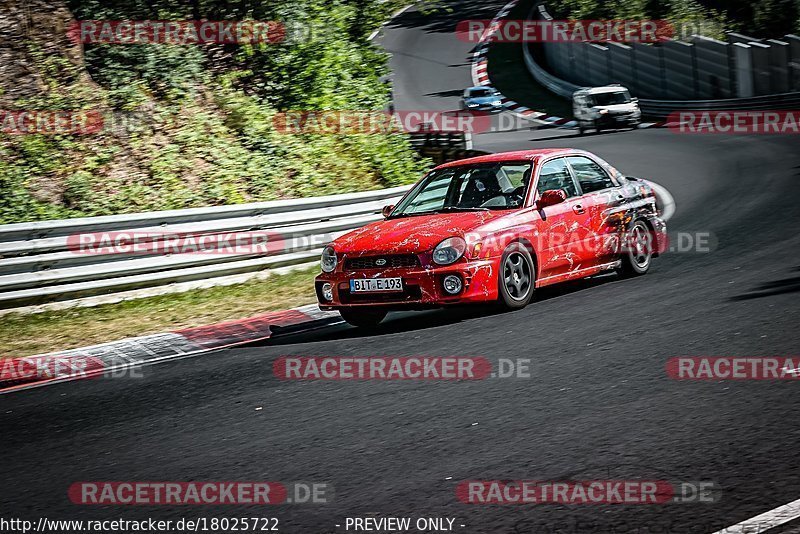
(480, 93)
(488, 186)
(609, 99)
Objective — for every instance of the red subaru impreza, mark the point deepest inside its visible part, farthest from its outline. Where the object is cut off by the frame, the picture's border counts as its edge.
(493, 229)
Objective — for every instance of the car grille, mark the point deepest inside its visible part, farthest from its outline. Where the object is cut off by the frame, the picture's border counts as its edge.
(371, 262)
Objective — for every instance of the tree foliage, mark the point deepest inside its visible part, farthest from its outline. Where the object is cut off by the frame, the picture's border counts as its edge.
(758, 18)
(193, 124)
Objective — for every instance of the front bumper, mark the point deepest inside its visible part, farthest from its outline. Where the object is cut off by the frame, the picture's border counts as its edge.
(660, 236)
(422, 287)
(612, 121)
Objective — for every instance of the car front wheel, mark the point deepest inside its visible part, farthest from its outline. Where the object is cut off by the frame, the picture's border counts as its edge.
(363, 318)
(516, 277)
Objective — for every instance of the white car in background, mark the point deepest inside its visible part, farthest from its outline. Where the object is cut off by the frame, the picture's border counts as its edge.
(605, 108)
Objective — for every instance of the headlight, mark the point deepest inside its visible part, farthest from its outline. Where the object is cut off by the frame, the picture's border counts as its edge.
(472, 104)
(449, 250)
(497, 103)
(328, 260)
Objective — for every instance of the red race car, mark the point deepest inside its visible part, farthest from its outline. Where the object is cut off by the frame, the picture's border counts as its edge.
(492, 229)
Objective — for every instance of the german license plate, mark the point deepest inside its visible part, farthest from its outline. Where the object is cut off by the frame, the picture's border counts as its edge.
(370, 285)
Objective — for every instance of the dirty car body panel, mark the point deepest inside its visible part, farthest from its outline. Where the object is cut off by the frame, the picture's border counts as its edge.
(580, 236)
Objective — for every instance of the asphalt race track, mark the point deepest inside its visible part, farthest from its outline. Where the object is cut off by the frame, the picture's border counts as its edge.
(598, 404)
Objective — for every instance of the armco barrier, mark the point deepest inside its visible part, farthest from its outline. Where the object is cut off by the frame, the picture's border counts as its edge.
(662, 108)
(595, 70)
(37, 265)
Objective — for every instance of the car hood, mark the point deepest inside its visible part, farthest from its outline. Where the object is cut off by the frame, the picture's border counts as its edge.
(412, 235)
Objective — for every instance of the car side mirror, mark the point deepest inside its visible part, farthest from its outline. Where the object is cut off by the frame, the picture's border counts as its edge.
(387, 210)
(551, 197)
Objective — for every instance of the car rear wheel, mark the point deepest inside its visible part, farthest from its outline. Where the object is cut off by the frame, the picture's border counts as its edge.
(637, 254)
(363, 318)
(516, 277)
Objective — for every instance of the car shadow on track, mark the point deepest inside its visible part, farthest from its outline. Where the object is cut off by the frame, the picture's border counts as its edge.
(772, 288)
(401, 322)
(571, 133)
(449, 92)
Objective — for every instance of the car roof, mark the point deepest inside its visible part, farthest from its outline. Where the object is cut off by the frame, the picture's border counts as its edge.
(600, 90)
(517, 155)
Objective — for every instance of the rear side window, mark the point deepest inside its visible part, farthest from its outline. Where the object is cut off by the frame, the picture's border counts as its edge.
(555, 175)
(589, 174)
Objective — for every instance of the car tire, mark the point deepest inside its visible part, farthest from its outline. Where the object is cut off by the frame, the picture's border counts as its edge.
(363, 318)
(637, 250)
(516, 277)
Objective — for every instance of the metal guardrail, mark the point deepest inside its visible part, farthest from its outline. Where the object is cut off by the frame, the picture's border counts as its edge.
(662, 108)
(39, 263)
(42, 262)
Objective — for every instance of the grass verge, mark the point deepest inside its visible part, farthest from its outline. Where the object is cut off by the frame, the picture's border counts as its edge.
(25, 335)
